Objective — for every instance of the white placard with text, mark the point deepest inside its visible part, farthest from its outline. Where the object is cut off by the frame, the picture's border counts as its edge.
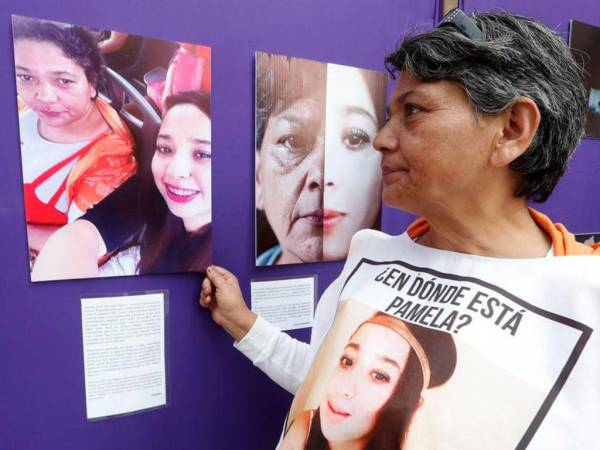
(124, 353)
(286, 303)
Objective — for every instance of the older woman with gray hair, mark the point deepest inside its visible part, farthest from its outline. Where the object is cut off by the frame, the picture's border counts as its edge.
(486, 112)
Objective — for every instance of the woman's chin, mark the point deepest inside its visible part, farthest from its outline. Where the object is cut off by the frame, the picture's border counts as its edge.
(195, 222)
(336, 246)
(334, 256)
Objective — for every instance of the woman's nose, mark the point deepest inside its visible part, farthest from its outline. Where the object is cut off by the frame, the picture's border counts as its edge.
(46, 93)
(347, 387)
(332, 170)
(179, 167)
(386, 140)
(314, 177)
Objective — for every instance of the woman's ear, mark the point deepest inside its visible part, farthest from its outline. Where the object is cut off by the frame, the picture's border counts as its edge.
(421, 401)
(518, 127)
(258, 197)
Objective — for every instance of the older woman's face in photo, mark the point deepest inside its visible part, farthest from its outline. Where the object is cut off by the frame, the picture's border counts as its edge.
(289, 178)
(435, 151)
(352, 166)
(51, 84)
(364, 379)
(181, 164)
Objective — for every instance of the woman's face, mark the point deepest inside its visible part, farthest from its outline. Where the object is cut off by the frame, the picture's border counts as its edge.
(436, 151)
(352, 172)
(364, 379)
(181, 164)
(51, 84)
(289, 179)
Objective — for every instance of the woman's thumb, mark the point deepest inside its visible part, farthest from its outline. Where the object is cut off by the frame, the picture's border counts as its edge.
(215, 276)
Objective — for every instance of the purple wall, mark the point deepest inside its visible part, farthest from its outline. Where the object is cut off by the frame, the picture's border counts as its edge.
(217, 399)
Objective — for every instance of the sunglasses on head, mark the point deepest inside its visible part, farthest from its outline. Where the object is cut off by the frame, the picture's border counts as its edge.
(463, 23)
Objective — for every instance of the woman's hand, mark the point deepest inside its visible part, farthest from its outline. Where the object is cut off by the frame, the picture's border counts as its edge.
(221, 294)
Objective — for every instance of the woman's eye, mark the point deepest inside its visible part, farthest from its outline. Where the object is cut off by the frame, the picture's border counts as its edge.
(355, 138)
(411, 109)
(65, 82)
(201, 155)
(292, 142)
(380, 376)
(346, 361)
(163, 149)
(25, 78)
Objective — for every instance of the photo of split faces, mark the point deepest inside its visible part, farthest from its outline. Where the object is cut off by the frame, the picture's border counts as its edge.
(317, 175)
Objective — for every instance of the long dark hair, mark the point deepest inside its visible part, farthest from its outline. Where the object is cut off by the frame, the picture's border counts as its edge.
(165, 244)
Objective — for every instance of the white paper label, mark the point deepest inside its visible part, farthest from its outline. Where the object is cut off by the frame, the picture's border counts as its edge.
(287, 304)
(124, 353)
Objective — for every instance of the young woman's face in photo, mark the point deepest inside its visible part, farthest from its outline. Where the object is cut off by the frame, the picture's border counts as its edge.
(364, 379)
(352, 166)
(181, 164)
(289, 179)
(51, 84)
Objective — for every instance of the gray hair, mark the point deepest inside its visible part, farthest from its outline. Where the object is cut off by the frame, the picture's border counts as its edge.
(518, 57)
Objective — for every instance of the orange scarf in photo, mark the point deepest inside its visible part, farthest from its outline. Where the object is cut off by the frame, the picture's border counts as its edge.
(106, 165)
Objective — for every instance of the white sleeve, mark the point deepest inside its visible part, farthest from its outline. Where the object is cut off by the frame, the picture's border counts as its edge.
(284, 359)
(287, 360)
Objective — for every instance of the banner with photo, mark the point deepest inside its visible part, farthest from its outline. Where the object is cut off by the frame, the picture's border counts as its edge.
(417, 359)
(318, 177)
(115, 129)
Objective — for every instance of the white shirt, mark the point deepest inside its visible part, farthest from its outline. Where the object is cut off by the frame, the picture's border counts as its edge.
(39, 154)
(535, 381)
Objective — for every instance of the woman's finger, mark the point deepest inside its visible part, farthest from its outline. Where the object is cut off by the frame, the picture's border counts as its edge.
(220, 277)
(205, 300)
(215, 276)
(226, 274)
(206, 286)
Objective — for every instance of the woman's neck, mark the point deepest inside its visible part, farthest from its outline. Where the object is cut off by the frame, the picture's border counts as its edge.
(358, 444)
(193, 224)
(506, 232)
(90, 125)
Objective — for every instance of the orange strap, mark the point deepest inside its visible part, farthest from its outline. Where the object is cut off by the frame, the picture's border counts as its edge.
(563, 242)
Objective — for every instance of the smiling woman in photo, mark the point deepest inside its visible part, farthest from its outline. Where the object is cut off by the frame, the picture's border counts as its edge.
(375, 387)
(174, 230)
